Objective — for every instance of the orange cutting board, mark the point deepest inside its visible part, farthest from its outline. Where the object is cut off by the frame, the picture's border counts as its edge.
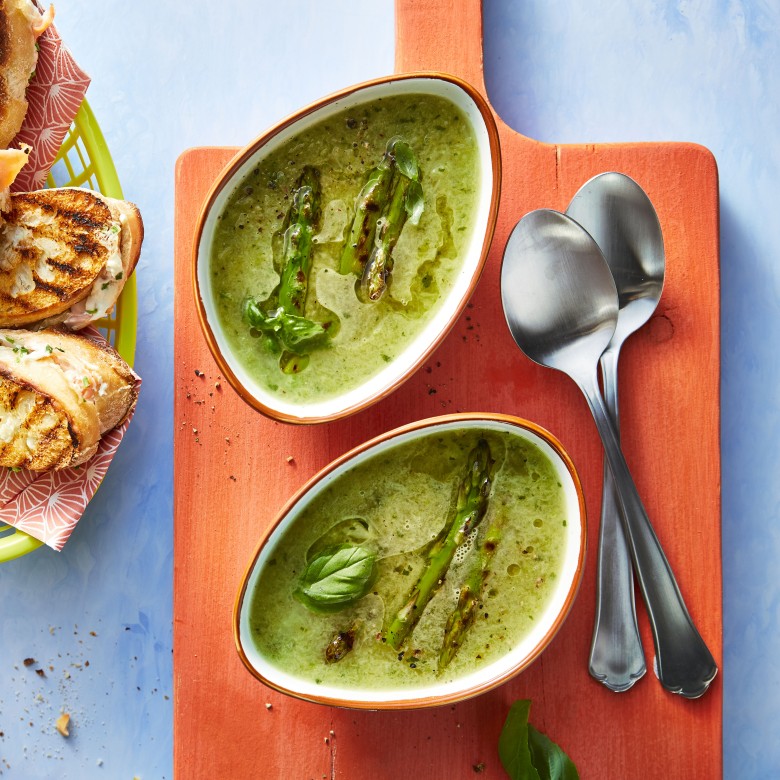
(234, 469)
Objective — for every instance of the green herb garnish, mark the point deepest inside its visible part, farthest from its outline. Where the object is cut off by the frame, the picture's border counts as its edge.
(527, 754)
(336, 578)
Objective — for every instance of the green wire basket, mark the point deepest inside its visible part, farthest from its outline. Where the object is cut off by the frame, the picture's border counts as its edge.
(84, 161)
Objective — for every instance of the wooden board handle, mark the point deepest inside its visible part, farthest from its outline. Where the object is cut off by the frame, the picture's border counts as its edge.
(440, 35)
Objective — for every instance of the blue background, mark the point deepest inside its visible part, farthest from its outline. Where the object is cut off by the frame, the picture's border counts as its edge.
(167, 76)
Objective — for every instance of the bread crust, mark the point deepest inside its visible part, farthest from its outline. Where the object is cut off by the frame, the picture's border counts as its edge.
(132, 234)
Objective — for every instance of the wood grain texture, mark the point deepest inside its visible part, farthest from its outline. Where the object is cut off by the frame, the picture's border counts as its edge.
(232, 475)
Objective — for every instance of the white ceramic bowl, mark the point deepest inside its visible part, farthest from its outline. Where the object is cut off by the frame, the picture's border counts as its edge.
(485, 678)
(478, 113)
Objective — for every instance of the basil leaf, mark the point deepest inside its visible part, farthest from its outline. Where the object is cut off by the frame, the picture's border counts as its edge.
(527, 754)
(291, 332)
(550, 761)
(298, 333)
(513, 747)
(414, 202)
(336, 578)
(405, 160)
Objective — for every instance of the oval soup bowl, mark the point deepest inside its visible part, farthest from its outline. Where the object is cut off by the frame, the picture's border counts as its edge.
(351, 400)
(489, 676)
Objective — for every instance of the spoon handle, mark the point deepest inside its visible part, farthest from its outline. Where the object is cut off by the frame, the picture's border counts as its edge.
(684, 663)
(616, 656)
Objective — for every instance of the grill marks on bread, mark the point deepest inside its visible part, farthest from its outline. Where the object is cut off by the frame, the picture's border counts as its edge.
(59, 393)
(53, 246)
(42, 434)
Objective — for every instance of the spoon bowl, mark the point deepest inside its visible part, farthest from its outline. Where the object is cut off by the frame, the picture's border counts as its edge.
(551, 259)
(619, 216)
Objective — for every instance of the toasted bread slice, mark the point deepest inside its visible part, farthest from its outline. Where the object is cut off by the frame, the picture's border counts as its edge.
(59, 392)
(18, 57)
(62, 246)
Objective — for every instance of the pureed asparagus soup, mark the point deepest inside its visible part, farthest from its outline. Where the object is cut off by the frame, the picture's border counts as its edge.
(338, 247)
(419, 564)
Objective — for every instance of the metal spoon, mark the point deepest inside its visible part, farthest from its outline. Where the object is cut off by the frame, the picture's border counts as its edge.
(561, 306)
(617, 213)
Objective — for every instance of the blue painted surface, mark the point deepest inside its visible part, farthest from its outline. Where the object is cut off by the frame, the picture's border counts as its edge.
(166, 77)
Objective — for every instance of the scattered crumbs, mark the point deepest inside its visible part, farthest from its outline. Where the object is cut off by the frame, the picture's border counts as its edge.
(431, 391)
(62, 723)
(28, 661)
(290, 459)
(40, 673)
(327, 741)
(480, 767)
(217, 385)
(233, 478)
(99, 762)
(194, 430)
(268, 705)
(198, 372)
(332, 733)
(227, 439)
(92, 633)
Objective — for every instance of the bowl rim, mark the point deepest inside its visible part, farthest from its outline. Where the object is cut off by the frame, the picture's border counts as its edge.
(417, 702)
(226, 176)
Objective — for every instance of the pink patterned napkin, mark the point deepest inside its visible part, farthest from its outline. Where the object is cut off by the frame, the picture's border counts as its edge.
(48, 506)
(54, 96)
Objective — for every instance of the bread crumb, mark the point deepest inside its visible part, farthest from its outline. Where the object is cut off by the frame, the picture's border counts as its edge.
(290, 459)
(62, 724)
(268, 705)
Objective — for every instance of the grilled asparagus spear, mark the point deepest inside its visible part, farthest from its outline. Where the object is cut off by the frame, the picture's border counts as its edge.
(303, 216)
(282, 317)
(391, 195)
(471, 506)
(465, 612)
(406, 202)
(368, 206)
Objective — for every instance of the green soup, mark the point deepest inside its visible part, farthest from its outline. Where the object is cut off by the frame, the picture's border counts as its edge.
(427, 257)
(396, 502)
